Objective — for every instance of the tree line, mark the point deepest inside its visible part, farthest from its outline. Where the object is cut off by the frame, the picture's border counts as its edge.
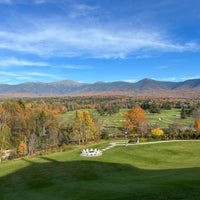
(32, 125)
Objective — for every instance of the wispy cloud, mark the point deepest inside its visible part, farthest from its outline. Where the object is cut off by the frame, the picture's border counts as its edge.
(15, 77)
(77, 67)
(190, 77)
(34, 77)
(90, 42)
(167, 79)
(76, 34)
(82, 10)
(165, 67)
(17, 62)
(131, 80)
(39, 74)
(4, 73)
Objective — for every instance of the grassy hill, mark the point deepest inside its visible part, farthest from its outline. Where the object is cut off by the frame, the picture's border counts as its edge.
(154, 171)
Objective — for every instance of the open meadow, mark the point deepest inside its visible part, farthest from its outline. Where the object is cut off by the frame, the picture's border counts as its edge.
(152, 171)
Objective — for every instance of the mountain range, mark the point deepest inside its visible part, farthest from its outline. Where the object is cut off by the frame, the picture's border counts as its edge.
(144, 87)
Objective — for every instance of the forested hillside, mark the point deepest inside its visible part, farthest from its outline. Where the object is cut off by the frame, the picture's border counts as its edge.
(145, 87)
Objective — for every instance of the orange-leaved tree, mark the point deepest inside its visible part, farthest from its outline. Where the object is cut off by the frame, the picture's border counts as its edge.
(22, 148)
(197, 125)
(133, 117)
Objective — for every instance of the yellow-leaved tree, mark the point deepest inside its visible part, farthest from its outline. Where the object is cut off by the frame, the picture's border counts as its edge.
(84, 128)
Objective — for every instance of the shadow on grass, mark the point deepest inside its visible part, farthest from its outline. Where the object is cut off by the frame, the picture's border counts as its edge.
(91, 180)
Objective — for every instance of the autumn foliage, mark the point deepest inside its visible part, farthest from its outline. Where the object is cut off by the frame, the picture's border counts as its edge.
(22, 148)
(133, 117)
(84, 128)
(157, 132)
(46, 123)
(197, 124)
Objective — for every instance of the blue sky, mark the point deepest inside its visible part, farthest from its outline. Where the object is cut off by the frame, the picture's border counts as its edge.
(99, 40)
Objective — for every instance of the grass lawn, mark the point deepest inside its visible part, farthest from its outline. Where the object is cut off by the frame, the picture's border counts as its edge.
(163, 120)
(167, 117)
(153, 171)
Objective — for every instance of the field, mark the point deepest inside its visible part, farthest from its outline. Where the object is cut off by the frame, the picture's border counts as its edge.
(167, 117)
(153, 171)
(163, 120)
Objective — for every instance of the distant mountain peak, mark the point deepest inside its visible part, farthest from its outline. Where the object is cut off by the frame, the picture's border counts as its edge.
(147, 87)
(148, 79)
(99, 82)
(67, 83)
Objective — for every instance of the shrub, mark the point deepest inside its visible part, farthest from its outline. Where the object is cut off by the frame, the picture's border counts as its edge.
(157, 132)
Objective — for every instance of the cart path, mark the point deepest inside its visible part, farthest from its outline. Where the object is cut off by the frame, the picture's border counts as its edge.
(114, 144)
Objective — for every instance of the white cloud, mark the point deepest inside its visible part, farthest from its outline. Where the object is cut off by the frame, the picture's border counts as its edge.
(167, 79)
(5, 80)
(96, 42)
(12, 77)
(191, 77)
(4, 73)
(165, 67)
(24, 78)
(77, 67)
(131, 80)
(10, 62)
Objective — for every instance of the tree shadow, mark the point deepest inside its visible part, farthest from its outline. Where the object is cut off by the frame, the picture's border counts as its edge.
(93, 180)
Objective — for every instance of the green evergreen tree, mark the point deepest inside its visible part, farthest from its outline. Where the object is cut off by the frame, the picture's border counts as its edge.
(183, 113)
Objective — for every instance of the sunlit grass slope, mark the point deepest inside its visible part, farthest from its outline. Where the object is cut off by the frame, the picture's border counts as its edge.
(156, 171)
